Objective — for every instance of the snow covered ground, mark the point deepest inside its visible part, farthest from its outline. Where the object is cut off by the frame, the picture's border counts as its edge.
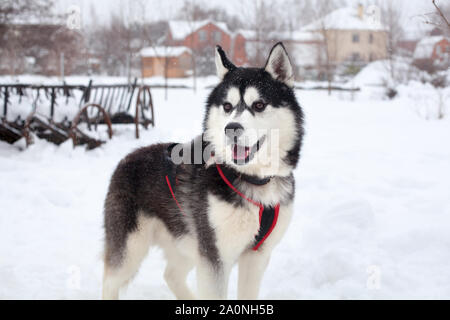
(372, 210)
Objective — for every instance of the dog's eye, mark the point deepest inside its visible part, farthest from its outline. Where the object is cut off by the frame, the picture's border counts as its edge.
(258, 106)
(227, 107)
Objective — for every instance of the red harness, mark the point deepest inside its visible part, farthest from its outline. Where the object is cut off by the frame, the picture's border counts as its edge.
(267, 216)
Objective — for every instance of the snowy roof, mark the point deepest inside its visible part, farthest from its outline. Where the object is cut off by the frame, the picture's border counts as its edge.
(164, 51)
(346, 19)
(247, 34)
(180, 29)
(298, 36)
(425, 47)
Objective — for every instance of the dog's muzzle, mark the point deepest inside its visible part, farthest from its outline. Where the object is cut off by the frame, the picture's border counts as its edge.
(240, 153)
(234, 130)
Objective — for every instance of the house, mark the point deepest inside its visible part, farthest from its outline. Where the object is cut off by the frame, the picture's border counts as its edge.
(170, 61)
(304, 47)
(352, 35)
(307, 50)
(248, 43)
(186, 42)
(203, 35)
(432, 52)
(238, 49)
(411, 36)
(198, 34)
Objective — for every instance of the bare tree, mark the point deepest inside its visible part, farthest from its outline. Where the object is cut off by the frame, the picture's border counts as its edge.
(13, 10)
(109, 46)
(263, 21)
(164, 52)
(300, 14)
(194, 11)
(328, 47)
(202, 57)
(191, 12)
(439, 17)
(15, 15)
(391, 17)
(32, 38)
(156, 36)
(117, 44)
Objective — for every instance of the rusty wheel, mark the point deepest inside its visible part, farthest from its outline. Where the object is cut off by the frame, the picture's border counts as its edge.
(140, 103)
(76, 133)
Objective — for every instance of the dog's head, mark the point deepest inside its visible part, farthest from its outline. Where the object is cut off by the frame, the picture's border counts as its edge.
(253, 121)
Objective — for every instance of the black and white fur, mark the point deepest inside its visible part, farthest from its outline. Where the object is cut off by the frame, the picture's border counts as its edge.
(218, 227)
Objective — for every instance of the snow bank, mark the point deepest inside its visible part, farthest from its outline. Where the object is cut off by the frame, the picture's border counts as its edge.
(378, 73)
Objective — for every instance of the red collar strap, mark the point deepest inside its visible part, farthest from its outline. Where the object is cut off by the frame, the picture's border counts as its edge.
(268, 216)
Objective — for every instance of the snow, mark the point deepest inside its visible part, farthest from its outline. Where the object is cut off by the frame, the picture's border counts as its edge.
(302, 36)
(425, 47)
(306, 54)
(378, 73)
(247, 34)
(180, 29)
(164, 51)
(371, 221)
(426, 99)
(288, 36)
(347, 19)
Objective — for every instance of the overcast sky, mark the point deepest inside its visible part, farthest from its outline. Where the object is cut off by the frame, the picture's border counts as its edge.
(160, 9)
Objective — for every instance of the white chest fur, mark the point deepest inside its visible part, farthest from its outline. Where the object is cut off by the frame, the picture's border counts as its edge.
(235, 227)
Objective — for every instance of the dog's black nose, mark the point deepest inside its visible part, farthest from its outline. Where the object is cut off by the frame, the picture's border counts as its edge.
(234, 130)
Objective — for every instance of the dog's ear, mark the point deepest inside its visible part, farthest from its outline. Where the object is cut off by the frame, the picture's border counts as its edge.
(279, 66)
(223, 65)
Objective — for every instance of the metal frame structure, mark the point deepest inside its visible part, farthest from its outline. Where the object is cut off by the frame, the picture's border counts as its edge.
(99, 104)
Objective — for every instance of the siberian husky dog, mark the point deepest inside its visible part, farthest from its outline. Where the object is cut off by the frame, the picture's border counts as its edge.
(224, 198)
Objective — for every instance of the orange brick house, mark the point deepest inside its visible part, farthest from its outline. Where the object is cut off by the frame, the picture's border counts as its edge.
(199, 34)
(432, 52)
(177, 60)
(205, 34)
(239, 50)
(200, 38)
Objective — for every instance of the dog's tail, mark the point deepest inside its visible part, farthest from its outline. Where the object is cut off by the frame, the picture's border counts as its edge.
(120, 215)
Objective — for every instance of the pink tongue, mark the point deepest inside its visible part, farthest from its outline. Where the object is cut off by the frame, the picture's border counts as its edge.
(240, 153)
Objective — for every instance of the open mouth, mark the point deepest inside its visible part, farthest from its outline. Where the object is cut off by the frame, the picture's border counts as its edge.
(243, 154)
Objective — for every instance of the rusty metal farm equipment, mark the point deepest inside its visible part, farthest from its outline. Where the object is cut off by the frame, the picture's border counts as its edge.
(57, 113)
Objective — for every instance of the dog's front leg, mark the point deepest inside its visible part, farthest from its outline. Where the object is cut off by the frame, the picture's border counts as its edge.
(212, 280)
(252, 265)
